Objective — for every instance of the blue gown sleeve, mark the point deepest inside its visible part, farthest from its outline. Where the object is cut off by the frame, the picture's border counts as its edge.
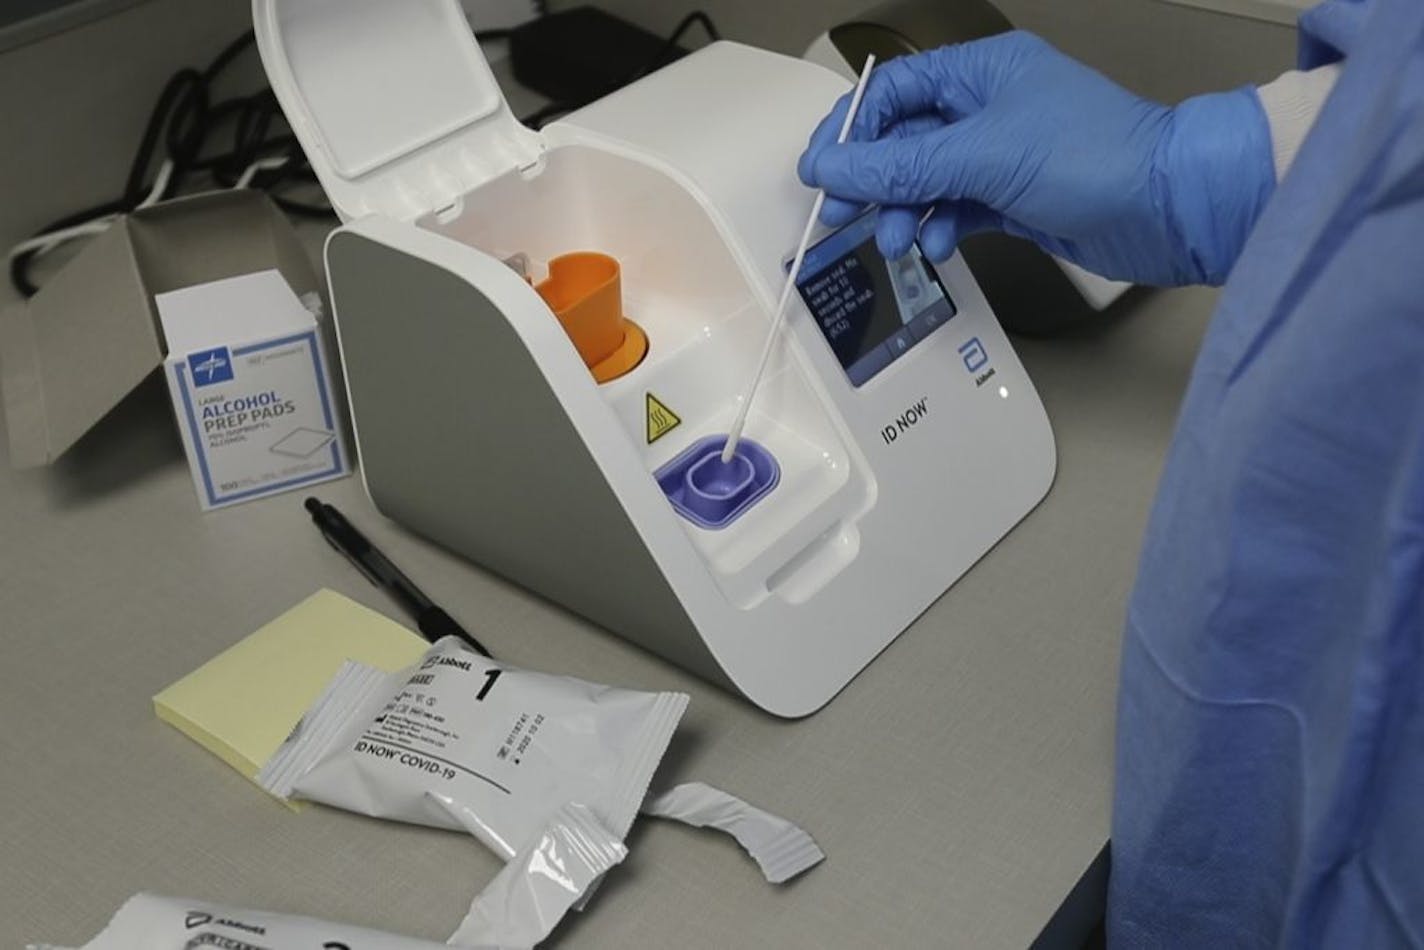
(1270, 777)
(1330, 30)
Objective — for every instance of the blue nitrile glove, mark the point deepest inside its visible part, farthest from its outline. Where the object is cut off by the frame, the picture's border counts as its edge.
(1008, 133)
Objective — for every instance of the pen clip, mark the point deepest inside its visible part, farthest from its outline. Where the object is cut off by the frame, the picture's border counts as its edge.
(366, 572)
(339, 533)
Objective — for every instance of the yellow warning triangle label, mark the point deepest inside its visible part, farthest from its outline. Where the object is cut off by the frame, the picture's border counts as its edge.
(661, 419)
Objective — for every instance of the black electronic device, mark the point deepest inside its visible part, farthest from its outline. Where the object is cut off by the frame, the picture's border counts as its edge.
(576, 56)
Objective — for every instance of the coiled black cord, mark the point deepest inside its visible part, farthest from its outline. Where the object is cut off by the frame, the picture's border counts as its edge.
(183, 128)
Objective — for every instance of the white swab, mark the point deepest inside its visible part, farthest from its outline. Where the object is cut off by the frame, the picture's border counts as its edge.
(735, 435)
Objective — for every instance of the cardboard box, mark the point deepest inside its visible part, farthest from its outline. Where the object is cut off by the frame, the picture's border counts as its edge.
(92, 334)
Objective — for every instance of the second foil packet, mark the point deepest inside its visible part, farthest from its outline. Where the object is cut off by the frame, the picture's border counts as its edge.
(464, 742)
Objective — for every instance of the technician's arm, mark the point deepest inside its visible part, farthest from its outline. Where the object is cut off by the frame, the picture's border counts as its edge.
(1009, 134)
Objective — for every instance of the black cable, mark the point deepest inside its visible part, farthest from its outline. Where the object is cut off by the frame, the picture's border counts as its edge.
(670, 45)
(230, 52)
(698, 16)
(19, 264)
(20, 274)
(183, 124)
(177, 87)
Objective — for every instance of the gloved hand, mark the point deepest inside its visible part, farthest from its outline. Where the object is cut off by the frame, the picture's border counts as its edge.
(1008, 133)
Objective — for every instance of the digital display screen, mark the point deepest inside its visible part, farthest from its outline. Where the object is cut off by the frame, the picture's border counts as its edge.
(870, 310)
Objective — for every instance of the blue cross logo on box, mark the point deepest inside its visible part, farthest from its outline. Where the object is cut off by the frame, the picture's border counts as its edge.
(974, 356)
(210, 366)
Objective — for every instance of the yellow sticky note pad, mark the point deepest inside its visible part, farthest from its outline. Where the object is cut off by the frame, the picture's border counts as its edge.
(244, 702)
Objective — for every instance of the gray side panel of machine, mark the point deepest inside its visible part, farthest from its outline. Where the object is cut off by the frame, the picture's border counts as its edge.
(462, 441)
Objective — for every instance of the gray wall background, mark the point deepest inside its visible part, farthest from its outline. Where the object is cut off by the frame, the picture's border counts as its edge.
(73, 105)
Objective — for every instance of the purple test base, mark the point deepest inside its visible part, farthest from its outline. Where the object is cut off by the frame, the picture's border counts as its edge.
(711, 494)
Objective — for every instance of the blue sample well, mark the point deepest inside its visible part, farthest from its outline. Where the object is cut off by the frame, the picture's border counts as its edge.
(712, 493)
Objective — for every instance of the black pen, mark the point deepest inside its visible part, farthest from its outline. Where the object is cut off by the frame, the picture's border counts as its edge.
(433, 622)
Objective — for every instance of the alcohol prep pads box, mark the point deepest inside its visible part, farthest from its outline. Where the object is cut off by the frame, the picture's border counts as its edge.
(250, 385)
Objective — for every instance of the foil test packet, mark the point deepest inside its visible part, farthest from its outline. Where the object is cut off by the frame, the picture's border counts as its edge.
(515, 911)
(154, 922)
(464, 742)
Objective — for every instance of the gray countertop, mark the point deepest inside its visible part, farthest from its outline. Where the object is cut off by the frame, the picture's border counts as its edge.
(959, 786)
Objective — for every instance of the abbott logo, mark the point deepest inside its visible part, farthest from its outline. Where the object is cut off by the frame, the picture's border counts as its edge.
(210, 366)
(976, 360)
(973, 355)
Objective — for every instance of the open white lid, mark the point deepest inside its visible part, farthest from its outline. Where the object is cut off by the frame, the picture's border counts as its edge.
(392, 100)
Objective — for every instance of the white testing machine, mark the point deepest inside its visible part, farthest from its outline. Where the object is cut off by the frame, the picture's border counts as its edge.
(895, 439)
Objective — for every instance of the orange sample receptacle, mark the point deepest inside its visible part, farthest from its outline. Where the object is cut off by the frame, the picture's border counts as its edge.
(585, 291)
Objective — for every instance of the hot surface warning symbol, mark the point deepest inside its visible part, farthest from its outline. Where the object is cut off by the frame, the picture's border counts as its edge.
(661, 419)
